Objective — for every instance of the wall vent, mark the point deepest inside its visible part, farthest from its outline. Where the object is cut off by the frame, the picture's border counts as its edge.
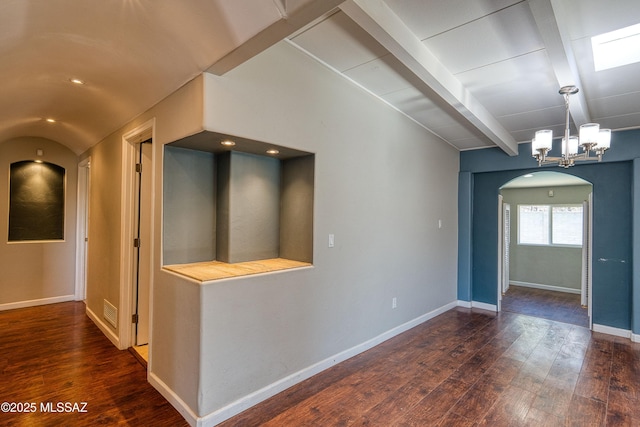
(110, 313)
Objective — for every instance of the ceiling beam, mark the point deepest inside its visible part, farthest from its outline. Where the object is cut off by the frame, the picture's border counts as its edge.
(375, 17)
(293, 19)
(548, 15)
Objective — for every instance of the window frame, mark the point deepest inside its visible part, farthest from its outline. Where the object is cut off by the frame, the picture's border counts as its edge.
(550, 225)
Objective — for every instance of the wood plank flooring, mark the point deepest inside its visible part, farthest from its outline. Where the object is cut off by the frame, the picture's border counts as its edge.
(470, 368)
(55, 353)
(462, 368)
(552, 305)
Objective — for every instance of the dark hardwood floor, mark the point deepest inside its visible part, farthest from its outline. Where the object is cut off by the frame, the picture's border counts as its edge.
(462, 368)
(55, 354)
(470, 368)
(552, 305)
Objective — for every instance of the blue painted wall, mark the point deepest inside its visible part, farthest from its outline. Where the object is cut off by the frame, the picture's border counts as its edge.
(464, 239)
(615, 220)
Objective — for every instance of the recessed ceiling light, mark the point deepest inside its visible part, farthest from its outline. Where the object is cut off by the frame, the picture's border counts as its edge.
(228, 143)
(616, 48)
(272, 151)
(76, 81)
(51, 120)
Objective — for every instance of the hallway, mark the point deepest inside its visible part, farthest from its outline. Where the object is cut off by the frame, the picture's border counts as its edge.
(54, 354)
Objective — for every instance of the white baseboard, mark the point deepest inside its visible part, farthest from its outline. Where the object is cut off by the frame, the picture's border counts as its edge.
(545, 287)
(104, 328)
(625, 333)
(36, 302)
(258, 396)
(484, 306)
(635, 337)
(477, 304)
(174, 399)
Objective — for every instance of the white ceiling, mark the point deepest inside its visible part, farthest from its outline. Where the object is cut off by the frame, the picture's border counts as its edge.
(507, 58)
(476, 73)
(545, 179)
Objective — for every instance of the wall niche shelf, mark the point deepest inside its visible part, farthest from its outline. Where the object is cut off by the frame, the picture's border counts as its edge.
(215, 270)
(234, 210)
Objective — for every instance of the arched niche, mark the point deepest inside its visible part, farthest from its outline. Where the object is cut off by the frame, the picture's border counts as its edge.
(36, 201)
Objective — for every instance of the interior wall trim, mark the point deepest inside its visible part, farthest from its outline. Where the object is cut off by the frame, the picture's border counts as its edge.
(477, 304)
(484, 306)
(624, 333)
(545, 287)
(258, 396)
(180, 405)
(104, 328)
(35, 302)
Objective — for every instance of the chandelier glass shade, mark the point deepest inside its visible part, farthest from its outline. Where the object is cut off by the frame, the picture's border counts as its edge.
(591, 139)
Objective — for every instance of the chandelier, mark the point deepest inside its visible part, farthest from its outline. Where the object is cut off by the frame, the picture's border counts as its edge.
(591, 139)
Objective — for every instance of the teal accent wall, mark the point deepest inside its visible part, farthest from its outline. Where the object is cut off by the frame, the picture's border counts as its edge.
(465, 206)
(635, 290)
(614, 181)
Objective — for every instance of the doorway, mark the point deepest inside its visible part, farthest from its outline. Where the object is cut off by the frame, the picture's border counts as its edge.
(82, 233)
(137, 271)
(544, 246)
(142, 244)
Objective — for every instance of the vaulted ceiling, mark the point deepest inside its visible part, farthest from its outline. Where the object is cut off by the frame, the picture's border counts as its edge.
(477, 74)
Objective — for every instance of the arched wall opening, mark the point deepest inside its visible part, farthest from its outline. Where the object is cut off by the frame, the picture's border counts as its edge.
(612, 237)
(544, 245)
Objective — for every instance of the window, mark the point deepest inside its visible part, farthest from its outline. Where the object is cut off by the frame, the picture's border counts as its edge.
(550, 225)
(616, 48)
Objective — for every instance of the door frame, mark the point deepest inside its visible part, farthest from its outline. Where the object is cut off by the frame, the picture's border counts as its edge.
(82, 228)
(127, 232)
(587, 261)
(586, 291)
(503, 267)
(500, 251)
(142, 232)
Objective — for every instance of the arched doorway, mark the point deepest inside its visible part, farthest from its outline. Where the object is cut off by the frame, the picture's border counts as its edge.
(544, 241)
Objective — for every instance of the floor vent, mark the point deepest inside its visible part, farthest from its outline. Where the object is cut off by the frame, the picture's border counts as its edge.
(110, 314)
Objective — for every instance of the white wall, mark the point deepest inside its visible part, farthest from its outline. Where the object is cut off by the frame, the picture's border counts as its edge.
(34, 273)
(177, 116)
(382, 183)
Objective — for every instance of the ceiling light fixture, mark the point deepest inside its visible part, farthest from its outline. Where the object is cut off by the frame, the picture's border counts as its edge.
(272, 151)
(228, 143)
(76, 81)
(591, 138)
(51, 120)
